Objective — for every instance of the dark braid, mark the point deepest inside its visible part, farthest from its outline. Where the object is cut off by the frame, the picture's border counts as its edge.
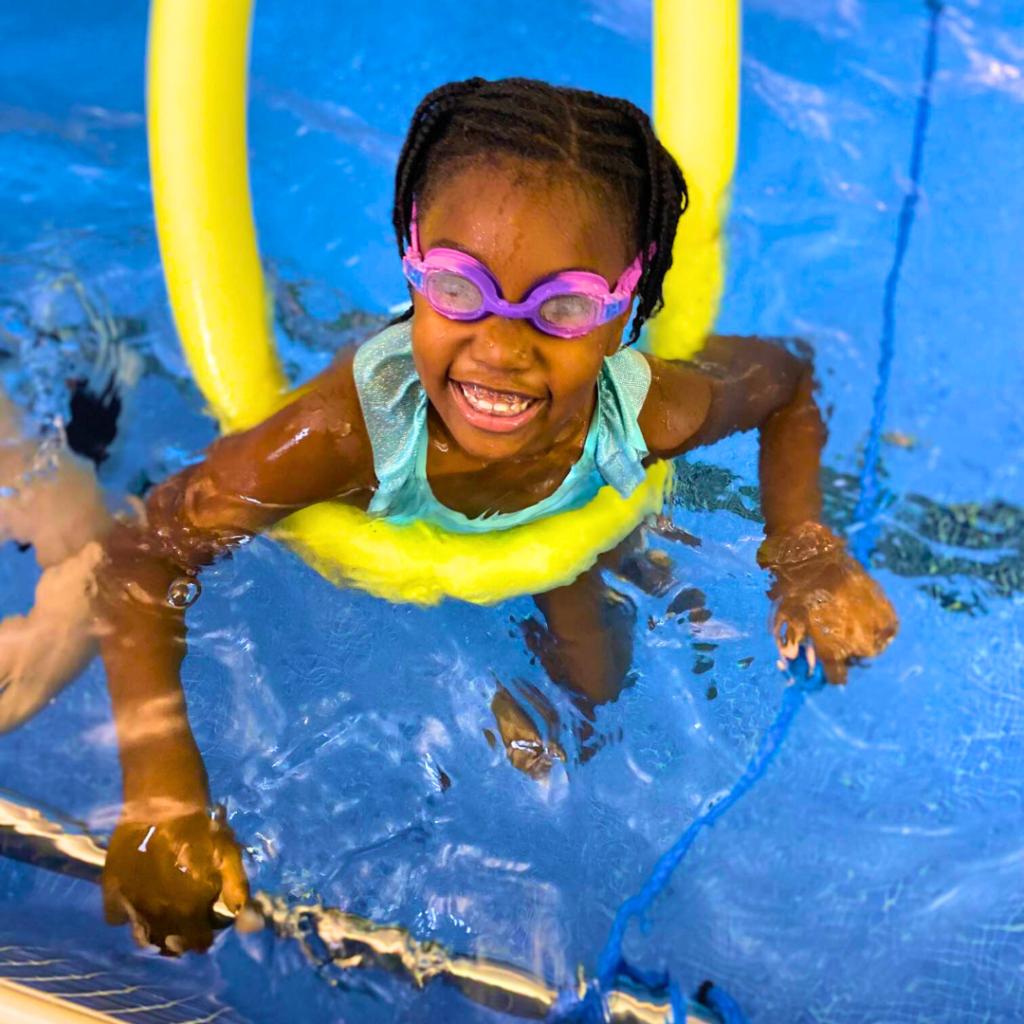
(610, 141)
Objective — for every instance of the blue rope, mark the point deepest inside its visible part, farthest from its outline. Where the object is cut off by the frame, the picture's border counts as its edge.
(612, 965)
(866, 528)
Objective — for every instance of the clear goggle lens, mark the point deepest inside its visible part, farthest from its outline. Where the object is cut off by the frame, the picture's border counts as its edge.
(448, 292)
(569, 312)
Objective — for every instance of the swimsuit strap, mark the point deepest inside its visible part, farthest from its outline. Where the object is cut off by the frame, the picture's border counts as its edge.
(394, 407)
(622, 390)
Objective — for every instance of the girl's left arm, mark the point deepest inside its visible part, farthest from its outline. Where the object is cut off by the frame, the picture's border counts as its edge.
(824, 597)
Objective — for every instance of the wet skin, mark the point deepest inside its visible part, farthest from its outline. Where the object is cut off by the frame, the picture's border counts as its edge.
(524, 223)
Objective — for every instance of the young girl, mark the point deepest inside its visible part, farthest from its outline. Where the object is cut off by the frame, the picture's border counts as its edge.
(535, 225)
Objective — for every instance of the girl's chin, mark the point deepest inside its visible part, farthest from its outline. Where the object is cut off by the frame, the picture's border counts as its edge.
(481, 445)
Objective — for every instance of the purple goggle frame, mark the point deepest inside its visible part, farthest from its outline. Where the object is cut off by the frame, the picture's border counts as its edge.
(568, 304)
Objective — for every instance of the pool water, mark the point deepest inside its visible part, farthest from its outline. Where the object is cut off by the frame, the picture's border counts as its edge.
(875, 874)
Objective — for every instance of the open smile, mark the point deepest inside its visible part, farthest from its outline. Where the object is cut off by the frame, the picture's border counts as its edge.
(499, 412)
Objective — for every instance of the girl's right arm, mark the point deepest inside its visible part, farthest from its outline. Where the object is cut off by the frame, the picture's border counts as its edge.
(314, 449)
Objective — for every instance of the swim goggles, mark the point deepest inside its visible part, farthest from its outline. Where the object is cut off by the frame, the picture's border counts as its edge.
(568, 304)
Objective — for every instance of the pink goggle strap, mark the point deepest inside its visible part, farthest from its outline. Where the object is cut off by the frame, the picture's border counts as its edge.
(414, 236)
(632, 273)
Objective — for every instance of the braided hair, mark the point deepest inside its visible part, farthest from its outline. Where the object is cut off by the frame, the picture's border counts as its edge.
(607, 141)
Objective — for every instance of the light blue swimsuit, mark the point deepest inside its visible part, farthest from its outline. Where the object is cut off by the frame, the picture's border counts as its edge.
(394, 406)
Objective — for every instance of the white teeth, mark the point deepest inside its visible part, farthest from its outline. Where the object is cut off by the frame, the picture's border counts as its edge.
(508, 406)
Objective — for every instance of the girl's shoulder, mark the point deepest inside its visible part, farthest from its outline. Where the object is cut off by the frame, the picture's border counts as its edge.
(677, 405)
(330, 402)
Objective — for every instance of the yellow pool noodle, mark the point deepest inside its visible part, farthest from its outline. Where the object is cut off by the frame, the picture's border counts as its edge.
(696, 115)
(196, 103)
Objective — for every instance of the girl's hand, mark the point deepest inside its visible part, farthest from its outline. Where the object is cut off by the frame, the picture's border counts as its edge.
(163, 879)
(825, 600)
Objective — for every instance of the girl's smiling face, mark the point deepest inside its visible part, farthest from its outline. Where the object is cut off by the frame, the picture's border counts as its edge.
(501, 387)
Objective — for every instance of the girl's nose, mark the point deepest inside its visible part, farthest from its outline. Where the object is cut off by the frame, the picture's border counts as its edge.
(503, 343)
